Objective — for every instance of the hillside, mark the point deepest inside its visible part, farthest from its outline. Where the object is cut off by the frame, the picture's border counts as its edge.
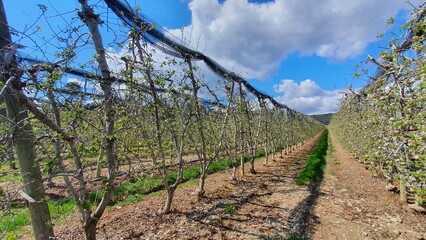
(323, 118)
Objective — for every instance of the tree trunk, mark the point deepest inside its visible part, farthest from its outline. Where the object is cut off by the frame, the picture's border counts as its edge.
(266, 155)
(98, 164)
(90, 229)
(9, 152)
(241, 110)
(252, 170)
(169, 199)
(92, 21)
(235, 152)
(402, 192)
(234, 171)
(57, 159)
(273, 150)
(256, 140)
(252, 153)
(23, 143)
(242, 170)
(202, 181)
(200, 128)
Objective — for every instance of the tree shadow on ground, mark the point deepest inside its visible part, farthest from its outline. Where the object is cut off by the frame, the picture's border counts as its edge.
(302, 220)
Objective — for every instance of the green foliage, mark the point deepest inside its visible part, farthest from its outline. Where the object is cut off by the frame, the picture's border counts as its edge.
(191, 173)
(96, 196)
(259, 154)
(11, 236)
(230, 209)
(323, 118)
(384, 124)
(15, 219)
(219, 166)
(61, 207)
(172, 177)
(134, 198)
(141, 186)
(313, 169)
(19, 216)
(10, 177)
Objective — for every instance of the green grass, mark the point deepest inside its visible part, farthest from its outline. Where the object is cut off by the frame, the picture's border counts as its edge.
(219, 166)
(140, 186)
(11, 177)
(230, 209)
(61, 208)
(191, 173)
(313, 169)
(19, 217)
(132, 199)
(330, 149)
(330, 153)
(128, 192)
(154, 194)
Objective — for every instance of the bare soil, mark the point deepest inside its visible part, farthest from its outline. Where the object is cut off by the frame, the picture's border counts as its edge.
(353, 204)
(349, 204)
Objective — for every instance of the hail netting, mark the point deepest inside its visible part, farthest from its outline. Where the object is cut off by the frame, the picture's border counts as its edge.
(155, 36)
(93, 76)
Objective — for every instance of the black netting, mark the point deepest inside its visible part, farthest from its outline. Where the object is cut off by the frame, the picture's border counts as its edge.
(168, 45)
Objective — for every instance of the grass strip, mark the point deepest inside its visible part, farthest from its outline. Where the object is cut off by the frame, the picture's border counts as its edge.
(313, 169)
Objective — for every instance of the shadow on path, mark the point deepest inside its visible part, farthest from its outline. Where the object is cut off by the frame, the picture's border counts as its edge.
(300, 217)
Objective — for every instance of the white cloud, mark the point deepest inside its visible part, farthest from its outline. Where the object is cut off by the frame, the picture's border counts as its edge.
(254, 38)
(91, 86)
(307, 97)
(160, 65)
(76, 81)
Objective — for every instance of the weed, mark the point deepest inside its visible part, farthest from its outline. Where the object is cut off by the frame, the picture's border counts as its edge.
(155, 194)
(191, 173)
(133, 199)
(11, 177)
(62, 207)
(230, 209)
(96, 196)
(192, 181)
(171, 177)
(259, 154)
(217, 166)
(15, 219)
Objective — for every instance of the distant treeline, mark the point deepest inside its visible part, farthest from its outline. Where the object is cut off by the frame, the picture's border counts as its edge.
(323, 118)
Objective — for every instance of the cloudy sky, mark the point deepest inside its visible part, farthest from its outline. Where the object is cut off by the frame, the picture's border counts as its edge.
(302, 52)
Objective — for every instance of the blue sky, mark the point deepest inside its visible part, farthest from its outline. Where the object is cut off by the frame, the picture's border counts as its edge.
(302, 52)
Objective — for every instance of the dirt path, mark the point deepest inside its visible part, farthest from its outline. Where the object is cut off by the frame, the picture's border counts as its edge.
(260, 205)
(355, 205)
(348, 204)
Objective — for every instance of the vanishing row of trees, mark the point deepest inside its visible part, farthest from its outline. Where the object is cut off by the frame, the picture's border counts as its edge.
(148, 115)
(384, 124)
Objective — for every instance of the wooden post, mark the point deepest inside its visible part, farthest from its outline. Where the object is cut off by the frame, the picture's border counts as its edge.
(23, 139)
(402, 192)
